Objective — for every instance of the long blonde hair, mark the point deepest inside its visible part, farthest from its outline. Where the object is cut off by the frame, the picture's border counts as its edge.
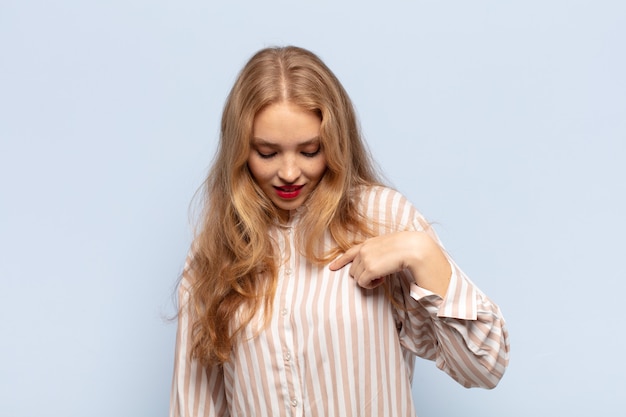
(233, 262)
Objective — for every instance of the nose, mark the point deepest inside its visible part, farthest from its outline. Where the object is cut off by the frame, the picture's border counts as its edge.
(289, 171)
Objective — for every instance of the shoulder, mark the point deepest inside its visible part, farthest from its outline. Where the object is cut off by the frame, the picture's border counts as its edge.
(380, 194)
(384, 205)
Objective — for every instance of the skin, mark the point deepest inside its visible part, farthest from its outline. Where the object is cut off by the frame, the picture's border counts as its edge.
(384, 255)
(286, 153)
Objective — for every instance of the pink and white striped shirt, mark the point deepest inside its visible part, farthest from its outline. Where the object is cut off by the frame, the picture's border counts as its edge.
(334, 349)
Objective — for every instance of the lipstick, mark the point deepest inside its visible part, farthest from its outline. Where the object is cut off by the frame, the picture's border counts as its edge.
(288, 192)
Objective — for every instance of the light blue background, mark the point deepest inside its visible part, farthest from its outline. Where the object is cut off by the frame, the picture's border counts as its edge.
(502, 121)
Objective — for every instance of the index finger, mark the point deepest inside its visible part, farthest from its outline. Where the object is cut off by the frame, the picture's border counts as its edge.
(345, 259)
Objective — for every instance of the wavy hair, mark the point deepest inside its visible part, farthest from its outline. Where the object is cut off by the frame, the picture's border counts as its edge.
(233, 266)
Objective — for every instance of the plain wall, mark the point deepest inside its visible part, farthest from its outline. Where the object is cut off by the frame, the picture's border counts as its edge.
(503, 122)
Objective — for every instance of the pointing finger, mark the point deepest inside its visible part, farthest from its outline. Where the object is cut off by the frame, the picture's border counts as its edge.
(345, 259)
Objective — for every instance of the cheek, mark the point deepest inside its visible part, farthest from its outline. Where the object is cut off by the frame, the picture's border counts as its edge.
(318, 169)
(260, 172)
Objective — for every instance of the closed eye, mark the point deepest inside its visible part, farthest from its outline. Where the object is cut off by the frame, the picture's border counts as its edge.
(312, 154)
(266, 155)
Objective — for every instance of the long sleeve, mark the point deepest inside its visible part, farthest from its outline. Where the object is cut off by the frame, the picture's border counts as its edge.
(463, 332)
(196, 390)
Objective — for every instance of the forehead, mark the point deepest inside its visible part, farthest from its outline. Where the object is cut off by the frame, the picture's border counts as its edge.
(285, 121)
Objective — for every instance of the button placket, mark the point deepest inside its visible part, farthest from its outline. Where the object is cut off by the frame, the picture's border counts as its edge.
(287, 245)
(286, 313)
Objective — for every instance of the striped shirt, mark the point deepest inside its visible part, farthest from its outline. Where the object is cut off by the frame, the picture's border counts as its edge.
(334, 349)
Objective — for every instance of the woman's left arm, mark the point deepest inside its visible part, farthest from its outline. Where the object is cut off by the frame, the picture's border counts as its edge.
(455, 324)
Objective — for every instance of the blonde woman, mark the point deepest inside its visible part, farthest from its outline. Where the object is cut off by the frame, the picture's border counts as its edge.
(310, 286)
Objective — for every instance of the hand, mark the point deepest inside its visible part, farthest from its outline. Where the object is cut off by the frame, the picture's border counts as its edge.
(376, 258)
(384, 255)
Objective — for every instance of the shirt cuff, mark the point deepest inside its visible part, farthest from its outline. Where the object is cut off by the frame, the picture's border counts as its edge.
(459, 302)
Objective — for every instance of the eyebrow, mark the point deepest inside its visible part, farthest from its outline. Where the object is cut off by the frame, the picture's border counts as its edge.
(264, 142)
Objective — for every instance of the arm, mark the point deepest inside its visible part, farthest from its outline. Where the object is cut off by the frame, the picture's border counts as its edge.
(463, 332)
(471, 341)
(196, 390)
(446, 318)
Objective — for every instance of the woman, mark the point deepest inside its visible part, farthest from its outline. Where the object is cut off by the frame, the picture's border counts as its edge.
(310, 286)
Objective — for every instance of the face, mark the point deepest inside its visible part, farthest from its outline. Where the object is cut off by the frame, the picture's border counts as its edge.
(286, 158)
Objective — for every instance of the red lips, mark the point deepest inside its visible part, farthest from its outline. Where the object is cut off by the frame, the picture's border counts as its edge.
(288, 191)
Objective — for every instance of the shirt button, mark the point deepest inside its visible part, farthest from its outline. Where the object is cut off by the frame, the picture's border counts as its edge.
(288, 271)
(287, 356)
(294, 402)
(283, 312)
